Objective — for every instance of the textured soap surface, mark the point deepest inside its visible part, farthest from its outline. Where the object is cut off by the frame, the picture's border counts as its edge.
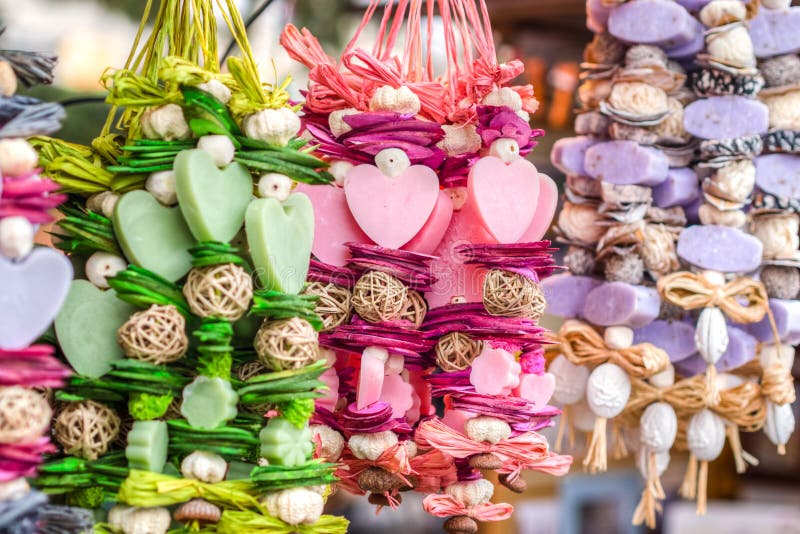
(282, 443)
(658, 22)
(566, 294)
(621, 304)
(148, 442)
(775, 31)
(680, 188)
(787, 320)
(675, 337)
(209, 402)
(687, 50)
(779, 174)
(725, 117)
(569, 153)
(720, 248)
(626, 162)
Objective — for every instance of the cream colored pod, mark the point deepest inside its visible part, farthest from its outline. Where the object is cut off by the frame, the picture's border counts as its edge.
(607, 393)
(570, 389)
(779, 424)
(658, 427)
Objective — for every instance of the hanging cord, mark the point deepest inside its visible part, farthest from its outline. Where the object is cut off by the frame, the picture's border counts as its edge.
(250, 20)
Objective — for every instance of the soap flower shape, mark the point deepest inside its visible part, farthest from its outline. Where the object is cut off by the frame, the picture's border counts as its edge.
(495, 371)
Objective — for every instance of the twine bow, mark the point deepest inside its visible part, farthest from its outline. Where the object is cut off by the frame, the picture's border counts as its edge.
(691, 291)
(393, 460)
(443, 505)
(552, 464)
(687, 397)
(582, 345)
(777, 384)
(144, 488)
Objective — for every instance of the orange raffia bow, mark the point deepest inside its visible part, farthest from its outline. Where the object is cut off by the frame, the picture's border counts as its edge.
(690, 291)
(582, 345)
(552, 464)
(444, 505)
(394, 460)
(528, 447)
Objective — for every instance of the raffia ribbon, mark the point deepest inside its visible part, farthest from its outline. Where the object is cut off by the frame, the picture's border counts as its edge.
(777, 384)
(687, 396)
(691, 291)
(444, 505)
(582, 345)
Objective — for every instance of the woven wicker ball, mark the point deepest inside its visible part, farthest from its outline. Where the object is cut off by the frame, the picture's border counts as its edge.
(86, 429)
(508, 294)
(156, 335)
(248, 370)
(286, 344)
(24, 414)
(456, 351)
(379, 297)
(222, 291)
(334, 305)
(414, 309)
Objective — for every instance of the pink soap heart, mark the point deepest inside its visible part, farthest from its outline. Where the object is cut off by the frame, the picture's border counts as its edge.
(545, 210)
(414, 413)
(426, 241)
(494, 372)
(398, 393)
(391, 211)
(330, 379)
(505, 196)
(370, 376)
(536, 388)
(455, 419)
(333, 224)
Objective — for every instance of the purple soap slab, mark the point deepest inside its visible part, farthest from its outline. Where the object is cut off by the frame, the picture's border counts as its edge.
(691, 366)
(597, 15)
(625, 163)
(693, 5)
(621, 304)
(741, 349)
(566, 294)
(775, 31)
(680, 188)
(720, 248)
(675, 337)
(692, 210)
(568, 154)
(779, 174)
(657, 22)
(726, 117)
(787, 320)
(690, 48)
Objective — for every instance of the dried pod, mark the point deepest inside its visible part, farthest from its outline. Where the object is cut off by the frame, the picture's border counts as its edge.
(199, 510)
(516, 484)
(571, 380)
(376, 480)
(461, 524)
(607, 390)
(486, 461)
(471, 492)
(487, 429)
(658, 427)
(779, 424)
(379, 499)
(706, 435)
(711, 334)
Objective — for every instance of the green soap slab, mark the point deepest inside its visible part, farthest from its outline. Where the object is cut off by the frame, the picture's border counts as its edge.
(280, 237)
(282, 443)
(209, 402)
(153, 236)
(87, 326)
(148, 442)
(213, 201)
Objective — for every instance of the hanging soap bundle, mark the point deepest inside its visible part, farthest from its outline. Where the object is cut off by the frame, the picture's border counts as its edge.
(412, 222)
(667, 322)
(195, 354)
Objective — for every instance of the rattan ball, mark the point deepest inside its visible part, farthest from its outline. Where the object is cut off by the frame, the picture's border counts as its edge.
(379, 297)
(456, 351)
(286, 344)
(86, 429)
(414, 309)
(223, 291)
(156, 335)
(24, 415)
(248, 370)
(334, 305)
(508, 294)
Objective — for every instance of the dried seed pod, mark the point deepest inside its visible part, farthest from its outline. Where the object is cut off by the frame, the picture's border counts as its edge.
(486, 461)
(711, 335)
(199, 510)
(471, 492)
(516, 484)
(376, 480)
(461, 524)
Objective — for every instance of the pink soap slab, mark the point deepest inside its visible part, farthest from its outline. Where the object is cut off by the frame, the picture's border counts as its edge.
(398, 393)
(621, 304)
(566, 294)
(720, 248)
(569, 152)
(726, 117)
(779, 175)
(432, 233)
(680, 188)
(775, 32)
(494, 372)
(675, 337)
(536, 388)
(455, 419)
(657, 22)
(545, 210)
(626, 162)
(370, 377)
(787, 320)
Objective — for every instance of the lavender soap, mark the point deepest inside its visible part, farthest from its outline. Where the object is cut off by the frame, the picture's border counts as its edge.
(725, 117)
(566, 294)
(626, 163)
(720, 248)
(787, 320)
(675, 337)
(621, 304)
(657, 22)
(680, 188)
(776, 31)
(779, 175)
(569, 154)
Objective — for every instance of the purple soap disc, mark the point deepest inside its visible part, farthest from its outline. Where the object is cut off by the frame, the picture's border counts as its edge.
(621, 304)
(675, 337)
(778, 175)
(568, 154)
(626, 162)
(775, 32)
(787, 321)
(725, 117)
(720, 248)
(566, 294)
(657, 22)
(680, 188)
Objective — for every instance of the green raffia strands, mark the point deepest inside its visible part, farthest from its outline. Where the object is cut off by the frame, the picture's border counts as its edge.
(208, 253)
(275, 305)
(143, 488)
(297, 411)
(275, 477)
(126, 88)
(291, 152)
(215, 351)
(143, 288)
(76, 168)
(230, 442)
(66, 475)
(247, 522)
(284, 386)
(269, 161)
(85, 232)
(207, 115)
(126, 377)
(144, 407)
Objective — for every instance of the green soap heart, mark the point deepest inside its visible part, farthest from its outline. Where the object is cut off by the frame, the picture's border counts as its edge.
(213, 201)
(87, 326)
(153, 236)
(280, 236)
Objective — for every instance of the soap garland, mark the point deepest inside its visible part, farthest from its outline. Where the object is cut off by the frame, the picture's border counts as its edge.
(196, 358)
(417, 284)
(36, 279)
(627, 202)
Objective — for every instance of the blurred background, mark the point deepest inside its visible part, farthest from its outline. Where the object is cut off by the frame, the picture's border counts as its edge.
(548, 36)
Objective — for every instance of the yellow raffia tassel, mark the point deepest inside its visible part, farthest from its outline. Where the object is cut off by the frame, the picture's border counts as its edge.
(620, 450)
(740, 456)
(652, 494)
(233, 522)
(144, 488)
(702, 489)
(565, 428)
(688, 489)
(596, 460)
